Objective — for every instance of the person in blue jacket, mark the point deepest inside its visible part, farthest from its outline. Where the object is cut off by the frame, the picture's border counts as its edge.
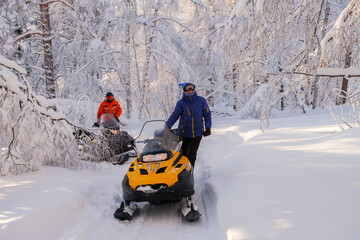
(192, 111)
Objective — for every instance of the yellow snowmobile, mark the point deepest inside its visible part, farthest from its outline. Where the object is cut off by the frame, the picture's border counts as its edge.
(159, 174)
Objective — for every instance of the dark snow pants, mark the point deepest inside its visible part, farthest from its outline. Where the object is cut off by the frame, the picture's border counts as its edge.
(189, 148)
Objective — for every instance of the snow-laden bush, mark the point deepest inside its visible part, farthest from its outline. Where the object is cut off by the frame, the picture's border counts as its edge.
(32, 133)
(347, 116)
(261, 104)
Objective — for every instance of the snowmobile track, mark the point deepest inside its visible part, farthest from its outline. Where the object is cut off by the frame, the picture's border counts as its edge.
(161, 221)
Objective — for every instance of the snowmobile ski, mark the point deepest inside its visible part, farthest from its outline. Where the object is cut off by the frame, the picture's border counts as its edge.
(125, 211)
(190, 211)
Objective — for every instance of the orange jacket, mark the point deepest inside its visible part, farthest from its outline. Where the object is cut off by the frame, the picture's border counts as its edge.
(106, 107)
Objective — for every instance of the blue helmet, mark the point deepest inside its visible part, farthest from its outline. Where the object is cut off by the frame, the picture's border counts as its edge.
(183, 85)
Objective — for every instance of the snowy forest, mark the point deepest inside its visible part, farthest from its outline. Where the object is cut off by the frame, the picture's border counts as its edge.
(58, 58)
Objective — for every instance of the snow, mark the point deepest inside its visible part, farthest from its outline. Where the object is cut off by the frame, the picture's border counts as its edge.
(339, 25)
(339, 71)
(4, 61)
(10, 81)
(28, 33)
(239, 10)
(297, 180)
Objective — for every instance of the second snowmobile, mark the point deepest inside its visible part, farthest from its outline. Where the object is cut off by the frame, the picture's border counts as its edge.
(118, 141)
(159, 174)
(107, 143)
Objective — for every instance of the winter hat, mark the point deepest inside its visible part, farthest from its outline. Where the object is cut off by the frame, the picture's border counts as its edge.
(109, 97)
(183, 85)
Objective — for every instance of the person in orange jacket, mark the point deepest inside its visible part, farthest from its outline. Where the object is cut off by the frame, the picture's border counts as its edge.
(109, 105)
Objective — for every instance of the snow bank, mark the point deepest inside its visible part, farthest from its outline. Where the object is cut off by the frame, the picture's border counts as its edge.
(297, 180)
(45, 204)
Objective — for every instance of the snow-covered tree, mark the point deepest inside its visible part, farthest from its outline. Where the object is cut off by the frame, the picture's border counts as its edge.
(32, 134)
(340, 47)
(274, 47)
(249, 56)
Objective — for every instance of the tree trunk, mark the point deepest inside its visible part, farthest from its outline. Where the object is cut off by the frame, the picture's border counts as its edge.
(148, 49)
(235, 79)
(48, 56)
(316, 100)
(282, 100)
(130, 8)
(315, 83)
(344, 84)
(211, 80)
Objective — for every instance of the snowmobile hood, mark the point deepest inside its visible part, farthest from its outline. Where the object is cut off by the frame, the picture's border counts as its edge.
(143, 175)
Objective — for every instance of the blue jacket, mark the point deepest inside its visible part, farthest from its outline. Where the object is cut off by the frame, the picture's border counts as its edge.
(191, 111)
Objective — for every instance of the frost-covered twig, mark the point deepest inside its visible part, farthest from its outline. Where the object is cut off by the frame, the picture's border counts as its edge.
(264, 118)
(171, 19)
(337, 115)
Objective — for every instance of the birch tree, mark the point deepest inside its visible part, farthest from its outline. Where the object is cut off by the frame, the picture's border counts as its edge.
(48, 50)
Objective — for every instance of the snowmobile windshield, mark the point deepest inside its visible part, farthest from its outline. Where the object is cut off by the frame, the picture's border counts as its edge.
(108, 120)
(157, 142)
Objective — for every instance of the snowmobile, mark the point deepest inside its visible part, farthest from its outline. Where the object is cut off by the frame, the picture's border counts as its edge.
(110, 144)
(159, 174)
(119, 141)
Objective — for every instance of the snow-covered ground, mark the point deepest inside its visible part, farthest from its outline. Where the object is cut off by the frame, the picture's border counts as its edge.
(300, 179)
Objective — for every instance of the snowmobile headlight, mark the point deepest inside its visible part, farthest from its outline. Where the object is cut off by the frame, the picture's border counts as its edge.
(155, 157)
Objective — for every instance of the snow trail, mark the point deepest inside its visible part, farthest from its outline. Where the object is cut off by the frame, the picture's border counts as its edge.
(279, 184)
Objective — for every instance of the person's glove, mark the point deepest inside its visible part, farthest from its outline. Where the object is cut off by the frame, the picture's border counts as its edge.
(207, 132)
(96, 124)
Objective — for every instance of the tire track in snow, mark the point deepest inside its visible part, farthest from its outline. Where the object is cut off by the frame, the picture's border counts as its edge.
(205, 197)
(157, 221)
